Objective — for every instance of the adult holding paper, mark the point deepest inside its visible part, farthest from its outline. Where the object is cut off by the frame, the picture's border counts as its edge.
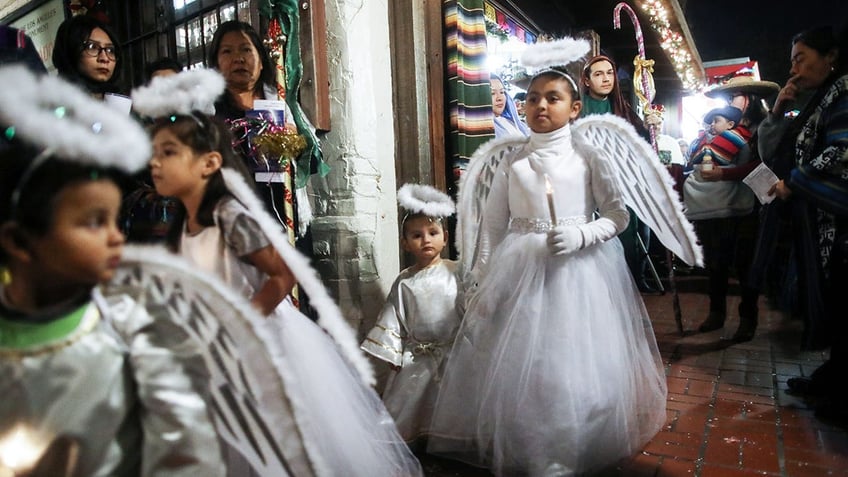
(817, 187)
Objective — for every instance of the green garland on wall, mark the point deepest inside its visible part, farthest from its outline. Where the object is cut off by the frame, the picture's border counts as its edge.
(287, 14)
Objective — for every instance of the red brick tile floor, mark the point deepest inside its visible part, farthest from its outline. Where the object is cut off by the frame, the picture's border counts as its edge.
(728, 411)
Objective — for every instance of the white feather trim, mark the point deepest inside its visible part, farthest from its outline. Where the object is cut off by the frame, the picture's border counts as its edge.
(50, 113)
(329, 316)
(638, 145)
(182, 93)
(424, 199)
(547, 54)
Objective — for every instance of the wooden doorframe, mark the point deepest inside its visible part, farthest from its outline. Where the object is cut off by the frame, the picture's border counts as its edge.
(418, 92)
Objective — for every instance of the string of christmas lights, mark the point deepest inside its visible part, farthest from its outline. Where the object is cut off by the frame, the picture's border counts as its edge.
(674, 45)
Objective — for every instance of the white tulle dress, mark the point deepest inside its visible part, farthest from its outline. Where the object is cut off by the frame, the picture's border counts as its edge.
(343, 424)
(555, 369)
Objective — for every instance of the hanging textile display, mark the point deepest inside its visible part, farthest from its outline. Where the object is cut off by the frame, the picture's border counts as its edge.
(468, 92)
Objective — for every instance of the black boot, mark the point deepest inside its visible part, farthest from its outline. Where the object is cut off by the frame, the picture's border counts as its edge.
(714, 321)
(747, 329)
(747, 323)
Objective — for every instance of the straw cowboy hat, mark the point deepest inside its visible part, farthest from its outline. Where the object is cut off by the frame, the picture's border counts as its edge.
(744, 85)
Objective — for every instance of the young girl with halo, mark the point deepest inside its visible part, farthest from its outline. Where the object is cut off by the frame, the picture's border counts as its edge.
(226, 232)
(110, 374)
(555, 369)
(418, 323)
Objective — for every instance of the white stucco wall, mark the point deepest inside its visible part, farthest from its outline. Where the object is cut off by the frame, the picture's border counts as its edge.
(355, 230)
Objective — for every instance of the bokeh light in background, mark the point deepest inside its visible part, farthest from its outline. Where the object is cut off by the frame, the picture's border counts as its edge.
(503, 60)
(695, 107)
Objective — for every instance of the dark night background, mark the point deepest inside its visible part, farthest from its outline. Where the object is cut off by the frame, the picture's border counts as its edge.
(759, 29)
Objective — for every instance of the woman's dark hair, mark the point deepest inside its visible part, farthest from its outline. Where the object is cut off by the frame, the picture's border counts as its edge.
(756, 111)
(267, 74)
(38, 188)
(820, 39)
(202, 133)
(165, 63)
(67, 50)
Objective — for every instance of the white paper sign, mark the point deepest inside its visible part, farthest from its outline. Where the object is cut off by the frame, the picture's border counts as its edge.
(41, 25)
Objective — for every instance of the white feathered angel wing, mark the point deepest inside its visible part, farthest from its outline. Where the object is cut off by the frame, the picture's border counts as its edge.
(646, 186)
(473, 242)
(249, 399)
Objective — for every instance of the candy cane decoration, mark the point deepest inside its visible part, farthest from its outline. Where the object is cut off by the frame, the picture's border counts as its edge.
(645, 66)
(642, 64)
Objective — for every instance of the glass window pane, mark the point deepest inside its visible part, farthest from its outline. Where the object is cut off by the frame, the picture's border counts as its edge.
(210, 24)
(180, 33)
(228, 13)
(194, 38)
(244, 11)
(179, 4)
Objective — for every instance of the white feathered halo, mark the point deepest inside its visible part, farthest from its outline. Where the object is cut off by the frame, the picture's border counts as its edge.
(548, 54)
(424, 199)
(182, 93)
(51, 114)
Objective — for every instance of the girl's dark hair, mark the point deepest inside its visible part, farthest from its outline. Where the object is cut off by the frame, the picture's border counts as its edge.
(442, 221)
(267, 74)
(555, 73)
(38, 189)
(164, 63)
(67, 51)
(202, 134)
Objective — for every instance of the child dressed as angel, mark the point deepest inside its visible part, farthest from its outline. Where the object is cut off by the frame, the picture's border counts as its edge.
(555, 368)
(419, 321)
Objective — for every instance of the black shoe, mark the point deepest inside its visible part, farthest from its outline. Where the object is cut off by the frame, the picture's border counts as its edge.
(804, 387)
(714, 321)
(745, 332)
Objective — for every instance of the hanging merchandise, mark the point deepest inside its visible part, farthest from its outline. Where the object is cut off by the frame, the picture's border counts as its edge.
(283, 39)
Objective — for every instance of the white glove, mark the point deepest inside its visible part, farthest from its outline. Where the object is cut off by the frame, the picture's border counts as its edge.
(565, 239)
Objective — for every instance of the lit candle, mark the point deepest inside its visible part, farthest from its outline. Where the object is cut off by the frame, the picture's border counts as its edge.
(19, 451)
(550, 192)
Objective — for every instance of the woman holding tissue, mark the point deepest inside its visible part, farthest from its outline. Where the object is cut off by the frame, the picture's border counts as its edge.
(86, 54)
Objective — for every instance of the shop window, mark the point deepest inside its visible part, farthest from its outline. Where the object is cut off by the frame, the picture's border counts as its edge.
(180, 29)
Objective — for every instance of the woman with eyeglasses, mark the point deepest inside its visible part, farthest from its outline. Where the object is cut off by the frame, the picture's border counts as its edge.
(86, 53)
